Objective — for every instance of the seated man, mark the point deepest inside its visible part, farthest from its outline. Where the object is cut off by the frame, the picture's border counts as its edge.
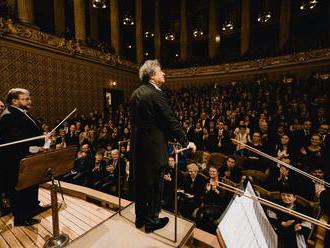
(79, 174)
(204, 165)
(292, 232)
(230, 171)
(98, 171)
(108, 183)
(169, 184)
(311, 190)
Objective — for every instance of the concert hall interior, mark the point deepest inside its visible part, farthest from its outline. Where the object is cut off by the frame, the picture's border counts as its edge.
(165, 123)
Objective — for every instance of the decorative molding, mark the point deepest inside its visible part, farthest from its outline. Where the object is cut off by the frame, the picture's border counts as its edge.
(252, 65)
(10, 30)
(58, 83)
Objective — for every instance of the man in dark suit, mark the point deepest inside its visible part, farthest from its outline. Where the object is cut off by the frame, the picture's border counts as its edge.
(17, 124)
(153, 123)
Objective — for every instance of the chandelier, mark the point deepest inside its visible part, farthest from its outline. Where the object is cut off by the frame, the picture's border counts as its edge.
(197, 32)
(308, 4)
(128, 20)
(148, 34)
(170, 36)
(99, 4)
(228, 26)
(264, 17)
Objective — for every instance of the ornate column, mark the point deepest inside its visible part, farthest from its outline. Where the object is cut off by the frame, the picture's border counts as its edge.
(59, 16)
(114, 19)
(183, 31)
(213, 28)
(157, 39)
(245, 26)
(284, 22)
(139, 31)
(94, 22)
(79, 20)
(25, 9)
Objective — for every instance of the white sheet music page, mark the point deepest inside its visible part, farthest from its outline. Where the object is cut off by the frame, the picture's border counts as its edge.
(245, 224)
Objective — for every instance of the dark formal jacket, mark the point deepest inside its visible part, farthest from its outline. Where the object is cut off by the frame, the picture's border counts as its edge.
(15, 125)
(153, 123)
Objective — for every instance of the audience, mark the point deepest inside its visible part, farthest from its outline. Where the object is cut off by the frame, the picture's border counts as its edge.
(287, 121)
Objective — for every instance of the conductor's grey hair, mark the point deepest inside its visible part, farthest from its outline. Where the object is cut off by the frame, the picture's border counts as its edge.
(147, 70)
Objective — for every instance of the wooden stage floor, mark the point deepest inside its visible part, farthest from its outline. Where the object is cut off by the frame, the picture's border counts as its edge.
(76, 218)
(119, 231)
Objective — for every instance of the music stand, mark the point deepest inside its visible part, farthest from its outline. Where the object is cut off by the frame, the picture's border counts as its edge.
(40, 168)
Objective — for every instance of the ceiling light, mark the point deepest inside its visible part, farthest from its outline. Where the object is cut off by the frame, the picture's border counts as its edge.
(148, 34)
(170, 36)
(310, 4)
(128, 20)
(228, 26)
(99, 4)
(264, 17)
(197, 32)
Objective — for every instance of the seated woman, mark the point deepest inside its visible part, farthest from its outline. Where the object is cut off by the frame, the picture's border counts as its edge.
(314, 154)
(255, 161)
(193, 188)
(292, 232)
(213, 203)
(280, 177)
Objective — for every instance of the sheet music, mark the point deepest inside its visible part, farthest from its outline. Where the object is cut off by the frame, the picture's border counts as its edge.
(245, 224)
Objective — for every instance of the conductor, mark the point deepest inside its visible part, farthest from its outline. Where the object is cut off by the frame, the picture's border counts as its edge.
(17, 124)
(153, 123)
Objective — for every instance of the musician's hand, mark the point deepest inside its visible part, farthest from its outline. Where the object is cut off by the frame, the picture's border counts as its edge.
(303, 150)
(189, 195)
(297, 227)
(167, 177)
(192, 146)
(287, 223)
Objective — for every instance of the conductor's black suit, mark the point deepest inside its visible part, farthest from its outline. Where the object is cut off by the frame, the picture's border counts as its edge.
(153, 123)
(15, 124)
